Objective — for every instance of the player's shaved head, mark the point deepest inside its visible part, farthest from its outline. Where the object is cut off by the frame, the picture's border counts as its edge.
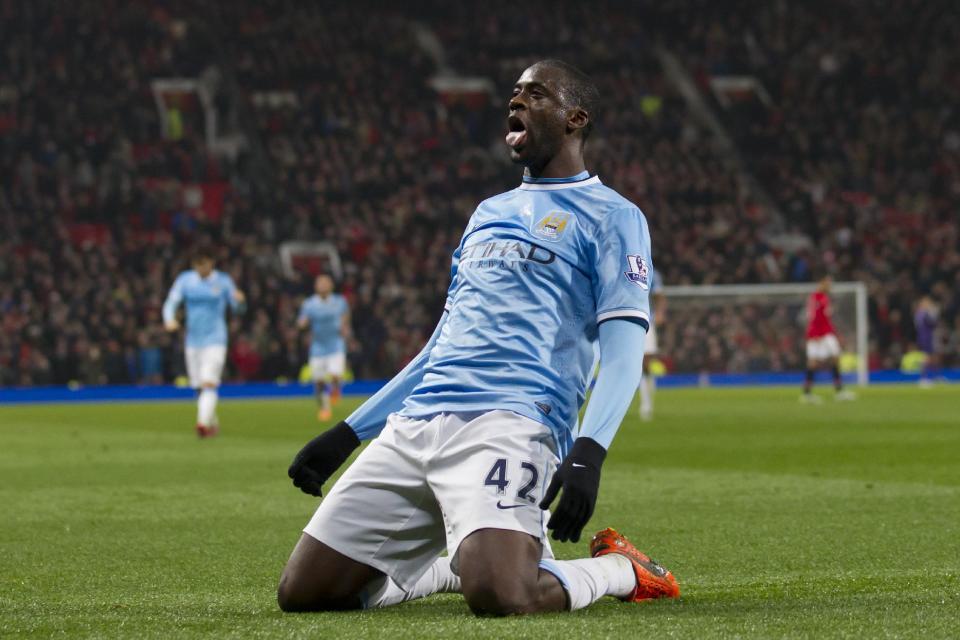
(550, 114)
(577, 90)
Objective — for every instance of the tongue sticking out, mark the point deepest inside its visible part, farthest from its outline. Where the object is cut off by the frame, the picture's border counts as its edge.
(516, 138)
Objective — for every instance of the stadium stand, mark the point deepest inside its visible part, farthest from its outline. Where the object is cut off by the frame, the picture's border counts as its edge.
(859, 142)
(858, 145)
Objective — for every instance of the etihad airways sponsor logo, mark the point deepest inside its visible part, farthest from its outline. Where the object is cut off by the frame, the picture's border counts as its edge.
(507, 250)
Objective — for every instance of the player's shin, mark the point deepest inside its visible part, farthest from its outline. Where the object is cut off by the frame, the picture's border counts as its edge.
(439, 578)
(590, 579)
(207, 407)
(646, 396)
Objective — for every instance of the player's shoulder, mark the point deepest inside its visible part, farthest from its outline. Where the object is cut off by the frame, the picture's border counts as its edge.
(605, 207)
(186, 275)
(500, 199)
(610, 202)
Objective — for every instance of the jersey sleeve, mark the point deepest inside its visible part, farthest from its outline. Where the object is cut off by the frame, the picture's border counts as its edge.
(656, 283)
(620, 371)
(455, 266)
(302, 313)
(622, 268)
(174, 298)
(371, 417)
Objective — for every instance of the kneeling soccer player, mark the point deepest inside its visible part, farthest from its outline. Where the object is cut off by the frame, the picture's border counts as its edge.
(475, 438)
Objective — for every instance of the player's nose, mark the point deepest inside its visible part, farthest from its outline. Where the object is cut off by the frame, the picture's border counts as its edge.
(516, 103)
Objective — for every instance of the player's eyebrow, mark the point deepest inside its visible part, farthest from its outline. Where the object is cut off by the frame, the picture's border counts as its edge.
(533, 84)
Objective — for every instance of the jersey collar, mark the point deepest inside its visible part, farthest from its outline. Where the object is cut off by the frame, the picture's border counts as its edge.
(582, 179)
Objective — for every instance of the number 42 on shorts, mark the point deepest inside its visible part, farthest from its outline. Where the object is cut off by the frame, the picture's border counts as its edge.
(497, 477)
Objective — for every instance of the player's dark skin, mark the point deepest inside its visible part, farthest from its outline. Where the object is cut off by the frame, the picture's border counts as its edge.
(499, 569)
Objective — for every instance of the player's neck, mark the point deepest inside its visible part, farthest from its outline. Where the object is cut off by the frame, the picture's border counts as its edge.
(568, 162)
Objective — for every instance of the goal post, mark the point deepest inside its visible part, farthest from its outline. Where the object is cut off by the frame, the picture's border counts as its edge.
(756, 328)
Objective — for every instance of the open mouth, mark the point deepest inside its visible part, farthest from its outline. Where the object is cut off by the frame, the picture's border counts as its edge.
(516, 132)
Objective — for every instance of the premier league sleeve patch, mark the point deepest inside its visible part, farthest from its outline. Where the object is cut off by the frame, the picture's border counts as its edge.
(638, 272)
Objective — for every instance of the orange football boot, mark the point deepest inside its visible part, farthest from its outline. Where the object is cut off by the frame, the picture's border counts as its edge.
(324, 414)
(653, 580)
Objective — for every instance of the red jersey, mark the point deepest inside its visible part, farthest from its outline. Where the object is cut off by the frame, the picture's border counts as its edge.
(818, 315)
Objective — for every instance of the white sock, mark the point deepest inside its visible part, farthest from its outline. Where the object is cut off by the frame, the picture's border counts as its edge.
(207, 408)
(438, 579)
(647, 385)
(588, 580)
(324, 396)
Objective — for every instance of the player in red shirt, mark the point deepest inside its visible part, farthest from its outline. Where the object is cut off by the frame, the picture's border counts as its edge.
(823, 347)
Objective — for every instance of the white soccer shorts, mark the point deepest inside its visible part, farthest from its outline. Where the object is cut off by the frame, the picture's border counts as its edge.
(650, 346)
(823, 348)
(423, 486)
(205, 364)
(323, 367)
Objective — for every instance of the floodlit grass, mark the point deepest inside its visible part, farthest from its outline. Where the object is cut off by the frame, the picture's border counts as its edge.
(779, 520)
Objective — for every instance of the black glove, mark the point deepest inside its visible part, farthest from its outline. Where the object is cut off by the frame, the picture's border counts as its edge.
(323, 455)
(579, 475)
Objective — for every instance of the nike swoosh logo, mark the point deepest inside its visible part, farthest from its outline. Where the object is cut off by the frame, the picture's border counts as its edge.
(578, 466)
(509, 506)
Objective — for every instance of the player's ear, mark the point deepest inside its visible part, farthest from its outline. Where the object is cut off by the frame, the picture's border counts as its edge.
(578, 118)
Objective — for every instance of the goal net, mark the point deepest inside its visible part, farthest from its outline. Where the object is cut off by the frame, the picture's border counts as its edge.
(714, 329)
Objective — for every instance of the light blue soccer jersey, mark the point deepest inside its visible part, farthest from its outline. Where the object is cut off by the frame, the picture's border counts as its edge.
(206, 301)
(536, 271)
(326, 317)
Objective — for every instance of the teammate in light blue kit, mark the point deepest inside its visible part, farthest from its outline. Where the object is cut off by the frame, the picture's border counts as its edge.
(648, 383)
(206, 294)
(476, 437)
(327, 315)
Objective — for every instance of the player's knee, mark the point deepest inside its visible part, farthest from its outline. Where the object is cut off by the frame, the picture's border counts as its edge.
(288, 597)
(296, 594)
(504, 597)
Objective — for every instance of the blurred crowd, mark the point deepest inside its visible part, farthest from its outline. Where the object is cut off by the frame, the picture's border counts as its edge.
(857, 138)
(859, 146)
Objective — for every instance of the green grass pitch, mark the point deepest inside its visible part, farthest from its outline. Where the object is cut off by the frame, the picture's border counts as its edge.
(779, 520)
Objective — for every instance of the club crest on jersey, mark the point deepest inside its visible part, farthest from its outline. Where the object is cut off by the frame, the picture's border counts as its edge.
(552, 225)
(639, 272)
